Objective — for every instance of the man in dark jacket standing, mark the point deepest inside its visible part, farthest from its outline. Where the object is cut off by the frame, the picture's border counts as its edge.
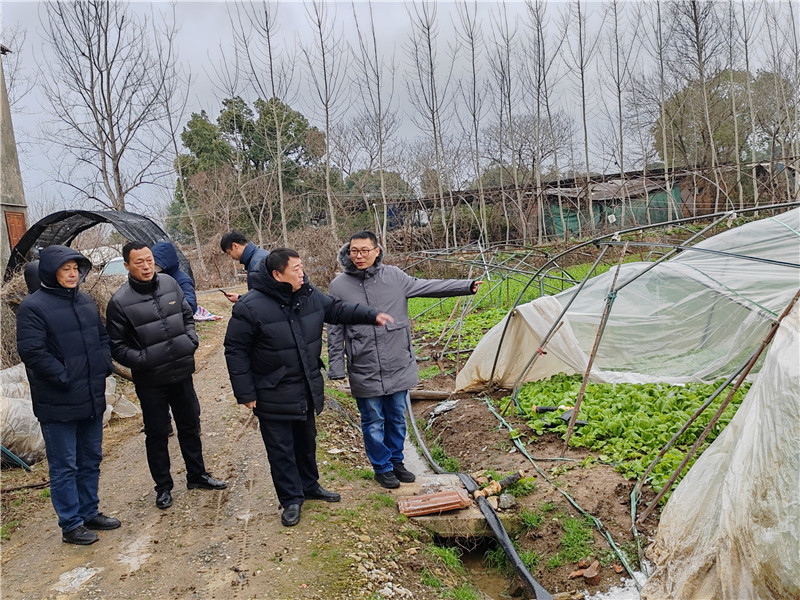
(166, 258)
(272, 348)
(64, 346)
(235, 245)
(152, 331)
(380, 362)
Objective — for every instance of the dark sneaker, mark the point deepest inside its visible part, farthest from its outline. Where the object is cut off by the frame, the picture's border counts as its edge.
(101, 521)
(387, 480)
(163, 499)
(81, 536)
(320, 493)
(291, 516)
(207, 482)
(402, 474)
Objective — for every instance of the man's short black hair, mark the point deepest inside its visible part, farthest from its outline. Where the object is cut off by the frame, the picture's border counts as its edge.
(231, 238)
(279, 258)
(365, 235)
(126, 249)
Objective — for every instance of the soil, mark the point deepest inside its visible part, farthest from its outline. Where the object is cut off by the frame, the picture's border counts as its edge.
(230, 544)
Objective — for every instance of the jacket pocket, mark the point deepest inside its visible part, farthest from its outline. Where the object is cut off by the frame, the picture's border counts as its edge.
(398, 340)
(268, 381)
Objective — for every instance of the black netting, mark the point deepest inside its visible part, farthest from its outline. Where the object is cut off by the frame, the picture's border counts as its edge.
(63, 226)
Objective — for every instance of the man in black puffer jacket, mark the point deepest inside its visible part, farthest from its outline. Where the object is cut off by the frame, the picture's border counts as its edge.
(64, 346)
(151, 327)
(272, 348)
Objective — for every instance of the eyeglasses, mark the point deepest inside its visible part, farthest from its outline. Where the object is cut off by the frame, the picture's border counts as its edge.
(360, 251)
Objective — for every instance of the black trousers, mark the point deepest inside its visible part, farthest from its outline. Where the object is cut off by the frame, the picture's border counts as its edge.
(292, 454)
(156, 402)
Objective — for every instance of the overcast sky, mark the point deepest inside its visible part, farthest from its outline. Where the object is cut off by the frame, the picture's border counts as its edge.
(204, 43)
(204, 38)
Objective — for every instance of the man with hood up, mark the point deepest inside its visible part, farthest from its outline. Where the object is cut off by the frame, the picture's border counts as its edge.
(380, 362)
(272, 348)
(62, 341)
(166, 258)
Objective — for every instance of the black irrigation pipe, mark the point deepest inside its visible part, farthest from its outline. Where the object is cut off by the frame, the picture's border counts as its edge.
(597, 523)
(501, 535)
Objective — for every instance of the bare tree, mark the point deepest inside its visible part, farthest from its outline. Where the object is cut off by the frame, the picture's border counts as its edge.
(375, 83)
(699, 40)
(582, 47)
(429, 93)
(177, 93)
(270, 72)
(472, 89)
(326, 65)
(782, 119)
(621, 46)
(18, 83)
(745, 34)
(542, 76)
(106, 86)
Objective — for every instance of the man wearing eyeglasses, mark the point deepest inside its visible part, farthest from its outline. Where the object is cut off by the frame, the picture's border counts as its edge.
(381, 365)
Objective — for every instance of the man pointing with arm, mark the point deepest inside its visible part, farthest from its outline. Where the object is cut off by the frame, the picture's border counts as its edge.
(380, 362)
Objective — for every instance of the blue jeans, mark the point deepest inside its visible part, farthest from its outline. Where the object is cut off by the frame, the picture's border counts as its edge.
(383, 423)
(74, 451)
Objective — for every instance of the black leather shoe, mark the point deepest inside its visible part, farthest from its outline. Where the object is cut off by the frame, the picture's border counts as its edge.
(163, 499)
(387, 480)
(402, 474)
(81, 536)
(207, 482)
(320, 493)
(101, 521)
(291, 515)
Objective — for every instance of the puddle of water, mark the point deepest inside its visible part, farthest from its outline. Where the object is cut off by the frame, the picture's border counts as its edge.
(135, 554)
(487, 579)
(71, 581)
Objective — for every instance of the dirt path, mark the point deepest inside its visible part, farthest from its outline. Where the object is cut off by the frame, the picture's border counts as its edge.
(216, 544)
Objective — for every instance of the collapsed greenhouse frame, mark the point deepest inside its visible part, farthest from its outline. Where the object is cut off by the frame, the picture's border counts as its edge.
(606, 242)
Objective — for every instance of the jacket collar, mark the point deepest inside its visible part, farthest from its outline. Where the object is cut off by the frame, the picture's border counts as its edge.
(247, 254)
(144, 287)
(350, 267)
(265, 283)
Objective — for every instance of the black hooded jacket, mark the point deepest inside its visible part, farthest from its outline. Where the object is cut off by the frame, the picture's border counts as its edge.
(62, 341)
(152, 330)
(274, 341)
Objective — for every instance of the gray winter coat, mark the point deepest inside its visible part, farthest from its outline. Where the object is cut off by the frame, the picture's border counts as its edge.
(380, 360)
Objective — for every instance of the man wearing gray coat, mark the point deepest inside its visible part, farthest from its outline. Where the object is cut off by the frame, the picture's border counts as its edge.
(381, 365)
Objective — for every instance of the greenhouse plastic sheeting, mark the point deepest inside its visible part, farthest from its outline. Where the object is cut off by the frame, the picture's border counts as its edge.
(19, 428)
(731, 528)
(695, 317)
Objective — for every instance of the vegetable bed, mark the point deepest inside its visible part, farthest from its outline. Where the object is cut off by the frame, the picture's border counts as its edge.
(628, 424)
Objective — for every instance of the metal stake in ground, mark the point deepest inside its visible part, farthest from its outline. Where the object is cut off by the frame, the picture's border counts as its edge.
(612, 295)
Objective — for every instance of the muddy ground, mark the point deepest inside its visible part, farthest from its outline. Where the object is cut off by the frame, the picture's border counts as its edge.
(230, 544)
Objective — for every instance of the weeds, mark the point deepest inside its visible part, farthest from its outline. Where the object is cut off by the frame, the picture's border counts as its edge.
(7, 528)
(429, 372)
(431, 580)
(449, 557)
(382, 500)
(530, 519)
(530, 558)
(448, 463)
(463, 592)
